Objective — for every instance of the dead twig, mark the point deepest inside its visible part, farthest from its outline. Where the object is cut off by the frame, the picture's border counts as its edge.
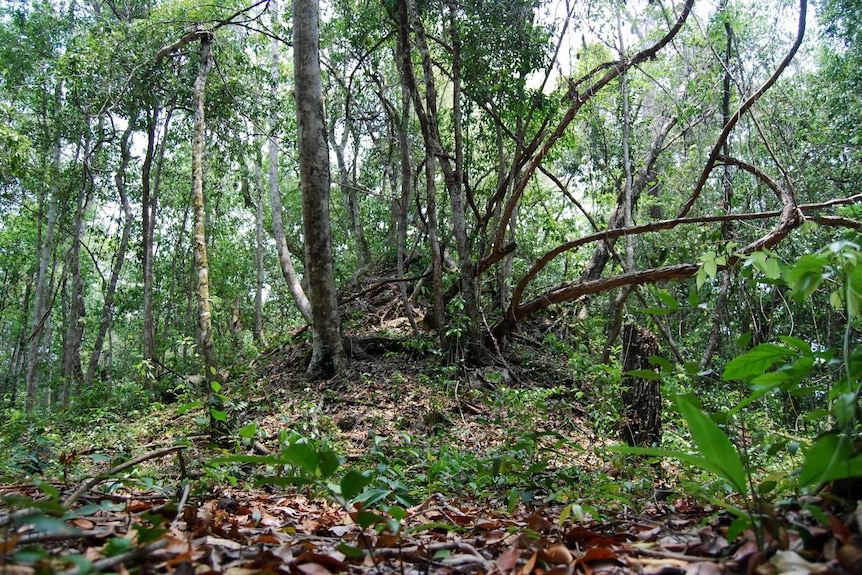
(90, 483)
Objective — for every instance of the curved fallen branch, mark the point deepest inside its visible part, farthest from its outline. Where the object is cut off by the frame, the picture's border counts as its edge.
(90, 483)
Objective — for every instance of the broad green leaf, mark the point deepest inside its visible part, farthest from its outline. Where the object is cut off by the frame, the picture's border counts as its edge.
(713, 444)
(799, 344)
(831, 457)
(397, 512)
(366, 519)
(668, 299)
(302, 455)
(216, 386)
(643, 374)
(844, 408)
(187, 406)
(353, 483)
(351, 552)
(710, 268)
(248, 431)
(327, 461)
(755, 362)
(116, 545)
(663, 364)
(371, 497)
(218, 415)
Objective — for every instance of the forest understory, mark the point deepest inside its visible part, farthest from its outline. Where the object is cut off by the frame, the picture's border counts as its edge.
(397, 465)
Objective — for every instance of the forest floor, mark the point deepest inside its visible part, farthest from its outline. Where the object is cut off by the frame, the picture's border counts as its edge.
(505, 470)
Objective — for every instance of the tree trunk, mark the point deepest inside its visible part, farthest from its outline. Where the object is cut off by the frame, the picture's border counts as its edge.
(327, 355)
(257, 329)
(73, 373)
(720, 314)
(206, 341)
(41, 305)
(285, 259)
(147, 230)
(408, 83)
(111, 288)
(641, 413)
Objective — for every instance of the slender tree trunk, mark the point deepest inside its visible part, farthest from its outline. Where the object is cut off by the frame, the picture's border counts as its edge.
(327, 355)
(41, 305)
(147, 229)
(476, 351)
(206, 340)
(351, 198)
(72, 369)
(408, 82)
(403, 202)
(720, 315)
(616, 311)
(257, 329)
(111, 288)
(284, 257)
(20, 351)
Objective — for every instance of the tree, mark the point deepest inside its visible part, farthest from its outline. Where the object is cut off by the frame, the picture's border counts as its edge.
(327, 354)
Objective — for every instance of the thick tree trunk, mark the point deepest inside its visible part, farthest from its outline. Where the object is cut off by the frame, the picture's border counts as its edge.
(111, 288)
(641, 412)
(41, 306)
(327, 355)
(285, 259)
(206, 339)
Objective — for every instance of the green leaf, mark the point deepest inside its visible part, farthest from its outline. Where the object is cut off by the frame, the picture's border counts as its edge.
(302, 455)
(799, 344)
(366, 519)
(397, 512)
(831, 457)
(844, 408)
(353, 483)
(327, 461)
(218, 415)
(248, 431)
(755, 362)
(643, 374)
(351, 552)
(187, 406)
(713, 444)
(663, 364)
(116, 545)
(668, 299)
(216, 386)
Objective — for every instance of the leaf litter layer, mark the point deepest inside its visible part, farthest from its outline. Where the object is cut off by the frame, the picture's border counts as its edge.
(503, 470)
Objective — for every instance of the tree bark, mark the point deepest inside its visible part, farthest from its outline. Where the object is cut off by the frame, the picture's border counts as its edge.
(641, 409)
(206, 341)
(257, 329)
(408, 82)
(327, 356)
(73, 373)
(285, 259)
(41, 306)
